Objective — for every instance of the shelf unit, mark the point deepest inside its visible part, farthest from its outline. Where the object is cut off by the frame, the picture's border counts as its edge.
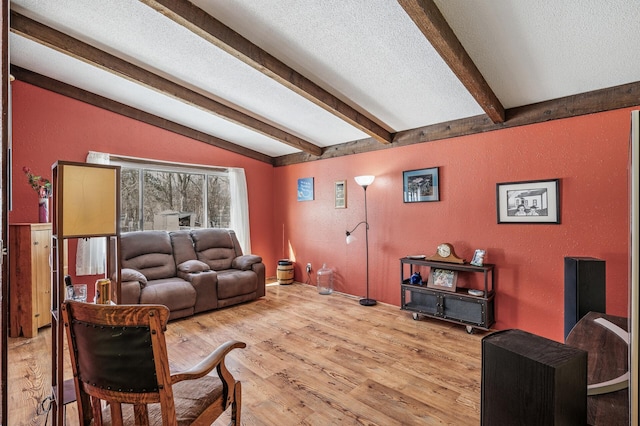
(86, 204)
(458, 307)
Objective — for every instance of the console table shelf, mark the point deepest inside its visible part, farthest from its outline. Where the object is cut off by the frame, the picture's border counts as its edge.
(458, 306)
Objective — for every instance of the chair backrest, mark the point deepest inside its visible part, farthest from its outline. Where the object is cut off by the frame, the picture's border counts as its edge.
(119, 355)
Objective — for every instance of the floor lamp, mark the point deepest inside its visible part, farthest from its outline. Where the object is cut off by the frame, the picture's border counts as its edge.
(364, 181)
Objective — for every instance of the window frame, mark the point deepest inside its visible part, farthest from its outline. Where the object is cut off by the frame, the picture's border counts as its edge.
(143, 165)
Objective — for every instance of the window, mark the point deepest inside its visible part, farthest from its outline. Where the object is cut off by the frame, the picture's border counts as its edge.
(163, 195)
(168, 197)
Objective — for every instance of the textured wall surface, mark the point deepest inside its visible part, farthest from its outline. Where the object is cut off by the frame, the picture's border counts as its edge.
(588, 154)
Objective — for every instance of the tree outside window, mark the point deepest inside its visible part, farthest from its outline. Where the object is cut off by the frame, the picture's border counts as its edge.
(170, 200)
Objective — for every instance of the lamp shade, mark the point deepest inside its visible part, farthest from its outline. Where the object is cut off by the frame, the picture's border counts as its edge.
(88, 195)
(365, 180)
(350, 239)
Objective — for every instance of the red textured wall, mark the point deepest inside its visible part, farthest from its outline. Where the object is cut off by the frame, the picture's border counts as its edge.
(48, 127)
(588, 154)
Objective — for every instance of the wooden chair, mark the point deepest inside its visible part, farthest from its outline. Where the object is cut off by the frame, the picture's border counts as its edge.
(121, 370)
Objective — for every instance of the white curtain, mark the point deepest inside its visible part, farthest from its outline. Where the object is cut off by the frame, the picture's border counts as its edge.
(91, 252)
(240, 208)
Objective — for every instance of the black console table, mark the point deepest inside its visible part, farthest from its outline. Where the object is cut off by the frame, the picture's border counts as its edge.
(458, 306)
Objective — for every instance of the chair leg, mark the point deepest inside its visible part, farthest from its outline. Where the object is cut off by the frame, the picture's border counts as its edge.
(236, 405)
(96, 407)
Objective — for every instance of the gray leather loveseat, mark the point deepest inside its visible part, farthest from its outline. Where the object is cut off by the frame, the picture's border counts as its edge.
(189, 271)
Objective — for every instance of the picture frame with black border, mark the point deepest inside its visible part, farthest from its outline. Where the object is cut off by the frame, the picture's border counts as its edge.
(535, 201)
(421, 185)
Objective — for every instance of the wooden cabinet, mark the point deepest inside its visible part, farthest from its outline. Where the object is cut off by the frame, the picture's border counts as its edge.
(455, 306)
(29, 278)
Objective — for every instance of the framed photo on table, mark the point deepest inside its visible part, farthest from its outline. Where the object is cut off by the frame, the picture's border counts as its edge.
(478, 257)
(421, 185)
(442, 279)
(528, 202)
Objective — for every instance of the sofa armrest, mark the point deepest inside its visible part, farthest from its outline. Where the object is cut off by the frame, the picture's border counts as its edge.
(206, 285)
(130, 292)
(128, 274)
(197, 277)
(133, 281)
(245, 262)
(193, 266)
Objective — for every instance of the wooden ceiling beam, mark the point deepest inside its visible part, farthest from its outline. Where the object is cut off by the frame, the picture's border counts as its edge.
(612, 98)
(215, 32)
(435, 28)
(73, 92)
(77, 49)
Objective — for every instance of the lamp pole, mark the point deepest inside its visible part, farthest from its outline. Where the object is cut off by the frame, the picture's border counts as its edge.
(366, 301)
(364, 182)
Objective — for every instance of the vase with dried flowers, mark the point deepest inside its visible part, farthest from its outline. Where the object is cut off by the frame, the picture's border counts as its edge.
(43, 187)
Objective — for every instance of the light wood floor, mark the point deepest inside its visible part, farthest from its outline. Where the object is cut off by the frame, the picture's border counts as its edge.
(310, 360)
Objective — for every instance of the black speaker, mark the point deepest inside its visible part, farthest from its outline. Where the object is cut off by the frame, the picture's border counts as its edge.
(584, 289)
(531, 380)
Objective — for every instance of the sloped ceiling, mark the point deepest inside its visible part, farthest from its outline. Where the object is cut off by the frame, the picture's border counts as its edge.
(286, 81)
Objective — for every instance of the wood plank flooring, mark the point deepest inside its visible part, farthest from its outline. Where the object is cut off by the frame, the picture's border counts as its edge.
(310, 360)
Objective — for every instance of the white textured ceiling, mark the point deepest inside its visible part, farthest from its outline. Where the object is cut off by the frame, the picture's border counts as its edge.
(368, 53)
(533, 51)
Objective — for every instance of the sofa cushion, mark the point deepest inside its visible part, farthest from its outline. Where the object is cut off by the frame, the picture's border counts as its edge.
(174, 293)
(215, 247)
(191, 266)
(149, 252)
(232, 283)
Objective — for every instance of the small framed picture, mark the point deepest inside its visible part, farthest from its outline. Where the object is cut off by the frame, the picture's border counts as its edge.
(442, 279)
(341, 194)
(421, 185)
(305, 189)
(478, 257)
(528, 202)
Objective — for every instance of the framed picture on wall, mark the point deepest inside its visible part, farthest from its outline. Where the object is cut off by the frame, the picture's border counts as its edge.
(421, 185)
(528, 202)
(305, 189)
(340, 193)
